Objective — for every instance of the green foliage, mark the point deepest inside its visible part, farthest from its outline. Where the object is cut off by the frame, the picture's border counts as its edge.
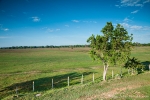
(134, 64)
(114, 45)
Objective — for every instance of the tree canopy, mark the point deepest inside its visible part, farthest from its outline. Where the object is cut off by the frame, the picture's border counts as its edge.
(112, 47)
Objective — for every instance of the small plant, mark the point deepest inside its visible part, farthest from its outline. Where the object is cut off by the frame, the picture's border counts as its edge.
(134, 65)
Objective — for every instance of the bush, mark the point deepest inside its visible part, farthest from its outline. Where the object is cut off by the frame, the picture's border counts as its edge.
(135, 65)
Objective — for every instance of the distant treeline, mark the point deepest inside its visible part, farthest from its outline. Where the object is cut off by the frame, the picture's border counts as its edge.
(141, 44)
(48, 46)
(64, 46)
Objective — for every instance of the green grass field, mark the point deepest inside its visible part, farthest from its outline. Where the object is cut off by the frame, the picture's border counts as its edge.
(20, 67)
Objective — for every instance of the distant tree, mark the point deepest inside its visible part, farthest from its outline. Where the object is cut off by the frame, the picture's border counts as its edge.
(112, 47)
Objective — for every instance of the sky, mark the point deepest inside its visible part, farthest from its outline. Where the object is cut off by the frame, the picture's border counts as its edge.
(69, 22)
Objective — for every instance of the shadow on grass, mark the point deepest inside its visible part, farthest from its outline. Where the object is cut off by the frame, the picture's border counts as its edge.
(43, 84)
(146, 65)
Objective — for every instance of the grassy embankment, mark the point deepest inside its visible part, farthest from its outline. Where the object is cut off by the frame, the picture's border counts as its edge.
(18, 68)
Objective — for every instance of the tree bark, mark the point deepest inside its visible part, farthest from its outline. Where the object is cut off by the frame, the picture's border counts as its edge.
(105, 71)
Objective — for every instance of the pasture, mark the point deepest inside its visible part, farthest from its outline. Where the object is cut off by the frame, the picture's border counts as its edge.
(20, 67)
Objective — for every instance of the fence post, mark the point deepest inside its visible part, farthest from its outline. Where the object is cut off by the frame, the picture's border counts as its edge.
(82, 79)
(128, 71)
(149, 67)
(121, 72)
(16, 91)
(112, 74)
(68, 80)
(52, 83)
(33, 86)
(93, 77)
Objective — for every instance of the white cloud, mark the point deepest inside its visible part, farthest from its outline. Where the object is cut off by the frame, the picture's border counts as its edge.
(138, 3)
(146, 1)
(126, 20)
(76, 21)
(90, 21)
(133, 12)
(140, 33)
(129, 2)
(67, 25)
(126, 25)
(5, 29)
(135, 27)
(57, 29)
(50, 30)
(94, 22)
(35, 19)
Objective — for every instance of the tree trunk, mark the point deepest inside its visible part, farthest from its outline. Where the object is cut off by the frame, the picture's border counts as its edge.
(105, 71)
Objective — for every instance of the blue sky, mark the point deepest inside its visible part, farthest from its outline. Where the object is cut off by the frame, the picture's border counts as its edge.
(69, 22)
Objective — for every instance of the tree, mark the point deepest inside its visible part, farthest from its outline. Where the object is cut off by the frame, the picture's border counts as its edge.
(112, 47)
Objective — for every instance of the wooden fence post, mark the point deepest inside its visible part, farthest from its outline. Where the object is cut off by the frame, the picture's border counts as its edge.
(149, 67)
(82, 79)
(121, 72)
(112, 74)
(68, 80)
(33, 86)
(52, 84)
(16, 91)
(93, 77)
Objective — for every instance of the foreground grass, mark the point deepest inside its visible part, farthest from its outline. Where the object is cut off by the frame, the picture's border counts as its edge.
(128, 88)
(19, 68)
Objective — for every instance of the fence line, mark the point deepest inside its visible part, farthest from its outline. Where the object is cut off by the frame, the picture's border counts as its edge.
(68, 82)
